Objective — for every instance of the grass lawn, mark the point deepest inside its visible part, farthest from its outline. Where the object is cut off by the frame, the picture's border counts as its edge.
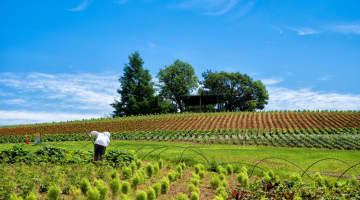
(303, 157)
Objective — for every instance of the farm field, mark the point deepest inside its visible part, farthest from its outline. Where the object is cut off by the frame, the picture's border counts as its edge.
(261, 155)
(233, 161)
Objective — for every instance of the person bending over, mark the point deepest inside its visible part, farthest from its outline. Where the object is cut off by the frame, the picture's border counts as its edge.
(101, 142)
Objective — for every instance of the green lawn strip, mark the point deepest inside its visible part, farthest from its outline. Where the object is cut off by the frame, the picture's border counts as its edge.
(303, 157)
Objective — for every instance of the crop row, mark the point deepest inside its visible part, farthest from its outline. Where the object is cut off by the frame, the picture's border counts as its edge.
(322, 121)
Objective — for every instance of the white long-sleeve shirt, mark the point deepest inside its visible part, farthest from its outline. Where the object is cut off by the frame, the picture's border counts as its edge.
(102, 139)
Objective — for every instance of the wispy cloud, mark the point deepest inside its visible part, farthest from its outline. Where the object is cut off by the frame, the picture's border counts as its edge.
(288, 99)
(215, 7)
(345, 28)
(325, 78)
(305, 31)
(80, 91)
(271, 81)
(14, 101)
(82, 6)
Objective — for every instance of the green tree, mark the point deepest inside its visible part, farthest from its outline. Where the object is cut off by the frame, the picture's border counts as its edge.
(177, 80)
(238, 91)
(137, 92)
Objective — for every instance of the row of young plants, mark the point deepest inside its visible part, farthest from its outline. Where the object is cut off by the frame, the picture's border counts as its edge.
(198, 121)
(348, 139)
(54, 155)
(156, 179)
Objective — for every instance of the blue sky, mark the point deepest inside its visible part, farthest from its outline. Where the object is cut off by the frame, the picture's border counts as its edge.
(60, 60)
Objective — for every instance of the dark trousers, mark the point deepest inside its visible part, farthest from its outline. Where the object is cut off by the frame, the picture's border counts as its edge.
(99, 152)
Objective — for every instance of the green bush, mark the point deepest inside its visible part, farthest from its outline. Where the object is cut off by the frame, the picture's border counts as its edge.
(229, 169)
(150, 193)
(149, 170)
(194, 196)
(182, 165)
(215, 182)
(93, 194)
(201, 174)
(243, 179)
(75, 193)
(157, 189)
(193, 188)
(179, 170)
(135, 181)
(221, 177)
(102, 188)
(14, 197)
(84, 185)
(161, 163)
(125, 187)
(221, 191)
(31, 196)
(165, 184)
(114, 174)
(138, 163)
(54, 192)
(115, 186)
(213, 165)
(127, 172)
(195, 181)
(156, 169)
(172, 176)
(133, 167)
(197, 169)
(140, 195)
(181, 196)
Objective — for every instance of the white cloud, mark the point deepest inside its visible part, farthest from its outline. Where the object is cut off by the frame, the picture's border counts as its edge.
(305, 31)
(80, 91)
(271, 81)
(287, 99)
(82, 6)
(325, 78)
(209, 7)
(25, 117)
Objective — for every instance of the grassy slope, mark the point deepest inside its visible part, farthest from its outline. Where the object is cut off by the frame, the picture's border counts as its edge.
(232, 153)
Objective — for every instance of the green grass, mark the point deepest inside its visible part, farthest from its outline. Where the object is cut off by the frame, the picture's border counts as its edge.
(303, 157)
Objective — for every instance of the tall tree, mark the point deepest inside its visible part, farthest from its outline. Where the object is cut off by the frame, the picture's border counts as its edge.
(137, 92)
(177, 80)
(238, 91)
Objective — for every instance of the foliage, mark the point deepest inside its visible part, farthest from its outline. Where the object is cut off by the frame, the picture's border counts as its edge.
(238, 91)
(140, 195)
(54, 192)
(177, 80)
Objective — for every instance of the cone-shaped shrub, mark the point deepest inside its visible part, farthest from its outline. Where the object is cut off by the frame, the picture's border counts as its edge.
(215, 182)
(135, 181)
(54, 192)
(149, 170)
(201, 174)
(93, 194)
(181, 196)
(14, 197)
(115, 186)
(138, 163)
(127, 172)
(194, 196)
(161, 163)
(243, 179)
(229, 169)
(125, 187)
(193, 188)
(157, 189)
(140, 195)
(84, 185)
(75, 193)
(31, 196)
(165, 184)
(150, 193)
(156, 169)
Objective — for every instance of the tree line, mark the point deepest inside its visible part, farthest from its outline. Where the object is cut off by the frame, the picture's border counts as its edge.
(138, 95)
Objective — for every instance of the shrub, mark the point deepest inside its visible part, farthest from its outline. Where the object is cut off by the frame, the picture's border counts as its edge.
(194, 196)
(150, 193)
(221, 177)
(201, 174)
(213, 166)
(138, 163)
(127, 172)
(161, 163)
(93, 194)
(149, 170)
(140, 195)
(114, 175)
(103, 189)
(195, 181)
(124, 197)
(135, 181)
(133, 167)
(75, 193)
(54, 192)
(125, 187)
(221, 191)
(179, 170)
(157, 189)
(164, 185)
(84, 185)
(243, 179)
(193, 188)
(229, 169)
(115, 186)
(197, 169)
(182, 165)
(172, 176)
(156, 169)
(181, 196)
(31, 196)
(214, 182)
